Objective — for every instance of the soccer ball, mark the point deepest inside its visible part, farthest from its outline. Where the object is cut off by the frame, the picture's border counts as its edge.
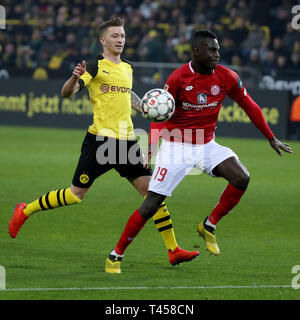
(158, 105)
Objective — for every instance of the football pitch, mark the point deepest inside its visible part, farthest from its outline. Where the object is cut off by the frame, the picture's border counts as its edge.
(60, 254)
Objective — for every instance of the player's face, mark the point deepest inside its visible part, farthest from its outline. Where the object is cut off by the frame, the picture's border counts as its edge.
(207, 53)
(113, 40)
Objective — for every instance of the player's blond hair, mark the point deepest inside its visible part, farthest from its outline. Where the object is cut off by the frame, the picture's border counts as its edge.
(114, 22)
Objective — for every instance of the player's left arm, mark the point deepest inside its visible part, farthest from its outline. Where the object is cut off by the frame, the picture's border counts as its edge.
(254, 112)
(136, 102)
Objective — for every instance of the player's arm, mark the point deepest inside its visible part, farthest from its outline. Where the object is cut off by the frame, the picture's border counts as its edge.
(72, 86)
(255, 114)
(136, 102)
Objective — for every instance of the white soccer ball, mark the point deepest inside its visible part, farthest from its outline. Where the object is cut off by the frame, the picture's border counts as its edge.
(158, 105)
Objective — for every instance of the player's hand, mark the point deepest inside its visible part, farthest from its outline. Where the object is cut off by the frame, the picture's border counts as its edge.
(79, 70)
(278, 145)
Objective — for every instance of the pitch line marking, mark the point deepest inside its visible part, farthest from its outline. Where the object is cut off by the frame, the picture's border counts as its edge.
(147, 288)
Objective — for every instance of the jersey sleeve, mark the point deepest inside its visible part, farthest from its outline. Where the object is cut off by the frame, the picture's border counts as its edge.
(90, 73)
(171, 85)
(238, 93)
(236, 88)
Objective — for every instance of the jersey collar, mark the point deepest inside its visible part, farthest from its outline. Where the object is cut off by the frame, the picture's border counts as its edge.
(193, 71)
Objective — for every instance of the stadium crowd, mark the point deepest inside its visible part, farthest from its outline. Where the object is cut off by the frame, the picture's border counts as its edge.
(56, 34)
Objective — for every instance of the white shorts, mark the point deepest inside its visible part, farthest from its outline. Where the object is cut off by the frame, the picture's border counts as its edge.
(175, 160)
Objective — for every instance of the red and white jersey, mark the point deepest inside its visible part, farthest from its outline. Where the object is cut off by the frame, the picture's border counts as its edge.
(199, 98)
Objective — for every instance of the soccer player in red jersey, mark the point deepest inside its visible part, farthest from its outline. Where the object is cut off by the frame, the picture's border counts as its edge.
(199, 88)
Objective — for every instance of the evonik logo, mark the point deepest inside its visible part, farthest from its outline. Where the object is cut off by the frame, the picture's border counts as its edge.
(106, 88)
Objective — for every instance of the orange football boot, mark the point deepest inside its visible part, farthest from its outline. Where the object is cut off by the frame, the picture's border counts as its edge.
(179, 255)
(17, 219)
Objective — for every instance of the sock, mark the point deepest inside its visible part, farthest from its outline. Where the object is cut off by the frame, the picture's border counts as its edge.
(229, 199)
(164, 225)
(134, 225)
(113, 253)
(51, 200)
(208, 223)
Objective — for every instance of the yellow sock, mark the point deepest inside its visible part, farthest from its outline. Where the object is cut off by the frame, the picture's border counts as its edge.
(163, 224)
(51, 200)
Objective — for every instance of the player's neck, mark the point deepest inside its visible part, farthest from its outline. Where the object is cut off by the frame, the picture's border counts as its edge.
(200, 69)
(112, 57)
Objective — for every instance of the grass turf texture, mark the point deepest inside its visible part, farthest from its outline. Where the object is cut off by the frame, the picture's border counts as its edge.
(67, 247)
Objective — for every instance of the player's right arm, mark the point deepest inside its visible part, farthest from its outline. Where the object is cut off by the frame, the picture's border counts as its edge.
(72, 86)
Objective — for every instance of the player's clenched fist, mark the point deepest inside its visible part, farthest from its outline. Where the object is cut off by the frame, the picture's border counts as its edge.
(80, 69)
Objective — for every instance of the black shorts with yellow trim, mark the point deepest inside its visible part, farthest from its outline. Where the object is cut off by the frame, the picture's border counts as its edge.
(100, 154)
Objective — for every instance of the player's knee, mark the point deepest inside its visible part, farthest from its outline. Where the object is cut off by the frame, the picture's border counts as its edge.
(150, 205)
(241, 181)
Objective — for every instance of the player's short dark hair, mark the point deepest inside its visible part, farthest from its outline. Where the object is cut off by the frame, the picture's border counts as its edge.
(114, 22)
(200, 35)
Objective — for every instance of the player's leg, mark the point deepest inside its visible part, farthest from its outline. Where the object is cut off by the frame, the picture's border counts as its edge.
(238, 178)
(162, 184)
(50, 200)
(222, 162)
(161, 218)
(133, 226)
(163, 223)
(82, 180)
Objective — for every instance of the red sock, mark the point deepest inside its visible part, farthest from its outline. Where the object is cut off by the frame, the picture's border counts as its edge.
(134, 224)
(229, 199)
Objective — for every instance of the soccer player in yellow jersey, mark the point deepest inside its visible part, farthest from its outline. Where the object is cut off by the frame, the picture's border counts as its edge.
(109, 141)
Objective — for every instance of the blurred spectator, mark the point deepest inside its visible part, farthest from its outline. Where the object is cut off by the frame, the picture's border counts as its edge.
(254, 60)
(227, 50)
(294, 61)
(147, 8)
(182, 50)
(290, 37)
(9, 55)
(240, 32)
(269, 66)
(281, 63)
(236, 60)
(255, 38)
(277, 47)
(151, 48)
(263, 51)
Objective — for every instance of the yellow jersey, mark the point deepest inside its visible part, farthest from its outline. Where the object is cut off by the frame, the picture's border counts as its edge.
(109, 85)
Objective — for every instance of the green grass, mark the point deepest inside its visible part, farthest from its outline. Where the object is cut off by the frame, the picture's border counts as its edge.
(67, 247)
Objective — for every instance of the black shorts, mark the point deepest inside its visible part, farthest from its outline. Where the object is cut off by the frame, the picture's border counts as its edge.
(101, 154)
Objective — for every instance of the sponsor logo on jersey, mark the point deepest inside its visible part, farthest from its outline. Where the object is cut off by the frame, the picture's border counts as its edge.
(106, 88)
(215, 90)
(201, 98)
(190, 106)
